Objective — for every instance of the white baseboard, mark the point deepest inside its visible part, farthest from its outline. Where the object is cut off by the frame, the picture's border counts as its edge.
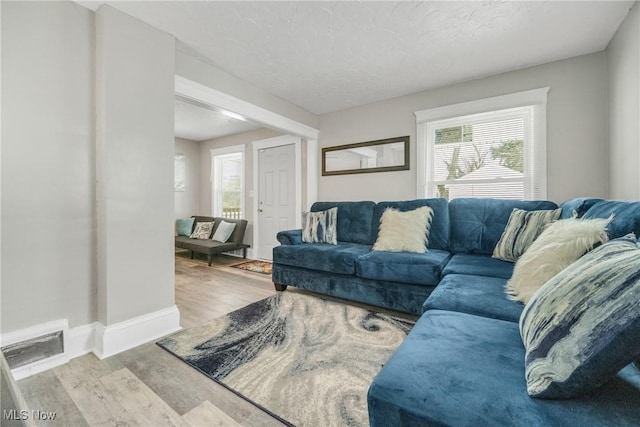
(122, 336)
(94, 337)
(81, 340)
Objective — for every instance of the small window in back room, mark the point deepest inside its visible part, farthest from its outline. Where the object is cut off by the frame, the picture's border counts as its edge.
(228, 185)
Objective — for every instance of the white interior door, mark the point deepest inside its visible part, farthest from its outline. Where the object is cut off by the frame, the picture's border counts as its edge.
(276, 195)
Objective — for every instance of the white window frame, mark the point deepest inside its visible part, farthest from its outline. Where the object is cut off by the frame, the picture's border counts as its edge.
(535, 184)
(216, 204)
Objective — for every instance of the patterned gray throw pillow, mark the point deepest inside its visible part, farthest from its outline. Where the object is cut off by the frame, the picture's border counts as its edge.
(582, 326)
(202, 230)
(320, 227)
(521, 230)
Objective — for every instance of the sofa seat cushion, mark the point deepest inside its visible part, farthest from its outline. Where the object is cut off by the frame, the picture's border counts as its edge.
(458, 369)
(210, 246)
(479, 295)
(181, 240)
(478, 265)
(404, 267)
(340, 258)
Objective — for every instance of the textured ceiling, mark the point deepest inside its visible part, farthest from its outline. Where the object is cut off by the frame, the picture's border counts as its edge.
(327, 56)
(199, 123)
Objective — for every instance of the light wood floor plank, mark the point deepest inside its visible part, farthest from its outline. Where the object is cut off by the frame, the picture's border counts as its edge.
(44, 392)
(94, 400)
(140, 401)
(208, 415)
(202, 293)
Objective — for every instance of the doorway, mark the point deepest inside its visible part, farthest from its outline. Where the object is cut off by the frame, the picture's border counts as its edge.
(276, 195)
(296, 131)
(278, 187)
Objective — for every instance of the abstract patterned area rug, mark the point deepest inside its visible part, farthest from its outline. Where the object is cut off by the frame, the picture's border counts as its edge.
(263, 267)
(306, 360)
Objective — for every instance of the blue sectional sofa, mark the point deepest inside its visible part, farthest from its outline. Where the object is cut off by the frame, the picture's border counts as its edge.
(463, 362)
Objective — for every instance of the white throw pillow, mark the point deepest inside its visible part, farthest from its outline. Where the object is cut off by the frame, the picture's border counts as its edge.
(559, 245)
(404, 231)
(223, 232)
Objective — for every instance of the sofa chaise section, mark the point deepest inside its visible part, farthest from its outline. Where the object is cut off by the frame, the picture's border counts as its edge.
(459, 369)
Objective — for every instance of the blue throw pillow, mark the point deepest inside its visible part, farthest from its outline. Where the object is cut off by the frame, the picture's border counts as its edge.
(583, 325)
(184, 226)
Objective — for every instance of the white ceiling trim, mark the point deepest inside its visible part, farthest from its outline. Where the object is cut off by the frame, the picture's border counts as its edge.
(201, 93)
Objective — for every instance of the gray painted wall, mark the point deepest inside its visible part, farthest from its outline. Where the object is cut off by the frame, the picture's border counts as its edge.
(135, 120)
(48, 165)
(623, 55)
(576, 126)
(186, 203)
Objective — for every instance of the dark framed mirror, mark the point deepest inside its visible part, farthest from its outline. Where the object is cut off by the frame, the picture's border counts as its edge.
(382, 155)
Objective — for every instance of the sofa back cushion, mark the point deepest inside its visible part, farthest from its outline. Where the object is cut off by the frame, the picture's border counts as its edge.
(237, 236)
(439, 233)
(626, 216)
(354, 220)
(580, 205)
(477, 224)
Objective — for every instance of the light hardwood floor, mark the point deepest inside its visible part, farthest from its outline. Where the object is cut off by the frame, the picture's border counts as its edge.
(147, 386)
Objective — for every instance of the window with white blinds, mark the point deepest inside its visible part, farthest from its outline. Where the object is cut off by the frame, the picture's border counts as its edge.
(227, 179)
(498, 152)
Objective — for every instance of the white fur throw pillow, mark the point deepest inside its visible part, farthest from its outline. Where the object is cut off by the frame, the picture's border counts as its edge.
(558, 246)
(404, 231)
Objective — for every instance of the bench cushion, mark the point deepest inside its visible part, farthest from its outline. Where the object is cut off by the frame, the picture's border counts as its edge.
(482, 296)
(340, 258)
(403, 267)
(458, 369)
(478, 265)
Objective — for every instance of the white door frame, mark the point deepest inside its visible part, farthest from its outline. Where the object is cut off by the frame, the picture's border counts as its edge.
(277, 141)
(204, 94)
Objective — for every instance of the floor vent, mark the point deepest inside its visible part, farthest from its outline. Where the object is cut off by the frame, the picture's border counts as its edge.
(33, 350)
